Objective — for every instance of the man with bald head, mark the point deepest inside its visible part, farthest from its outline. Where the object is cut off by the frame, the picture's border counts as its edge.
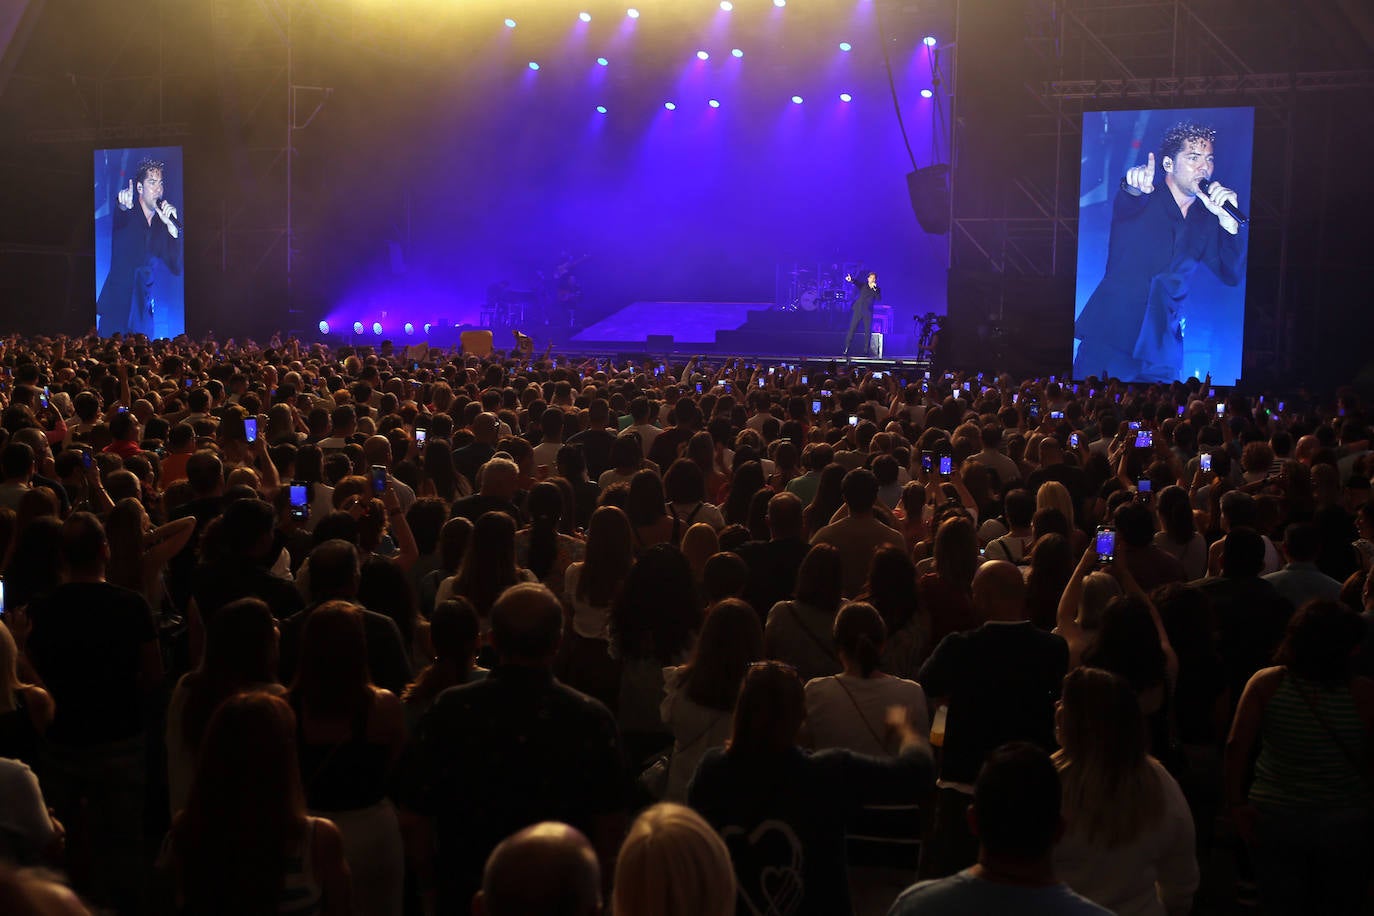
(568, 877)
(1000, 682)
(377, 453)
(498, 755)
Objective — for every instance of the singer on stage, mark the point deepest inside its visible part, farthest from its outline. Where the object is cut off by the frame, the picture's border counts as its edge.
(145, 231)
(1133, 324)
(861, 311)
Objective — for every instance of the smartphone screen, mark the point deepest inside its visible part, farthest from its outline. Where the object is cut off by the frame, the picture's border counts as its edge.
(1181, 408)
(44, 397)
(761, 381)
(698, 387)
(2, 596)
(1144, 438)
(299, 499)
(1221, 410)
(378, 478)
(1282, 407)
(946, 465)
(1133, 425)
(86, 459)
(853, 419)
(815, 406)
(190, 382)
(250, 429)
(1106, 545)
(927, 461)
(1056, 414)
(1205, 461)
(1034, 411)
(804, 380)
(1143, 485)
(1073, 440)
(420, 435)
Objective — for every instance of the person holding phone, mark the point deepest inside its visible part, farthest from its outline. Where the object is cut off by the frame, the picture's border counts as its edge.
(145, 232)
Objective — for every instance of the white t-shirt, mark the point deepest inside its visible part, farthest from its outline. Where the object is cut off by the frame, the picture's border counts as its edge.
(851, 712)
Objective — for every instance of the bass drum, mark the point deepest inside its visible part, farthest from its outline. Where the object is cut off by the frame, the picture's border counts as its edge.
(809, 301)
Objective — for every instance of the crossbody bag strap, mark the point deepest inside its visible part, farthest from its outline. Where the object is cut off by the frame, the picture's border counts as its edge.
(882, 745)
(1350, 756)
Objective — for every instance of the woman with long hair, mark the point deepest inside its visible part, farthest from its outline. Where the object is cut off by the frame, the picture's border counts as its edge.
(828, 500)
(244, 844)
(746, 480)
(647, 508)
(948, 590)
(1051, 565)
(1178, 535)
(699, 700)
(762, 783)
(702, 452)
(350, 735)
(437, 463)
(699, 544)
(1129, 845)
(454, 633)
(626, 458)
(891, 589)
(540, 547)
(35, 563)
(488, 567)
(26, 710)
(1054, 495)
(590, 590)
(453, 545)
(1307, 815)
(653, 623)
(798, 631)
(384, 588)
(240, 654)
(685, 487)
(673, 864)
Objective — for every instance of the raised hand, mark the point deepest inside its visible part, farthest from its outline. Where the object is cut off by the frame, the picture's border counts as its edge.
(126, 197)
(1142, 177)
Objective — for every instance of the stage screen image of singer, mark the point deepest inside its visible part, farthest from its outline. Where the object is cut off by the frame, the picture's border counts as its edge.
(140, 287)
(1161, 263)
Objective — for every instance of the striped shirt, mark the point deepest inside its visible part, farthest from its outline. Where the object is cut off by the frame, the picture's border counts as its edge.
(1300, 764)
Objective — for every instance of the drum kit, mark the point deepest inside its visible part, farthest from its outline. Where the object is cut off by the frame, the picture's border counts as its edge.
(814, 287)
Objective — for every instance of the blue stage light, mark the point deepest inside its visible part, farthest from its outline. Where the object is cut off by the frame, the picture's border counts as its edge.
(585, 17)
(602, 61)
(324, 327)
(846, 97)
(845, 46)
(357, 327)
(408, 328)
(632, 13)
(670, 106)
(713, 103)
(702, 55)
(737, 53)
(377, 328)
(796, 100)
(510, 23)
(601, 109)
(926, 94)
(534, 65)
(929, 41)
(427, 327)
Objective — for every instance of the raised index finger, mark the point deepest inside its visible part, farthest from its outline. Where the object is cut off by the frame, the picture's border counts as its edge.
(1150, 170)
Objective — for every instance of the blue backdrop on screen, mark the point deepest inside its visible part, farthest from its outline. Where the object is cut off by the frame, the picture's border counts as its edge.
(1114, 141)
(139, 291)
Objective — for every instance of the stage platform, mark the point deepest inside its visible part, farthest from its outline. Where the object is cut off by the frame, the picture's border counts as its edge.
(691, 323)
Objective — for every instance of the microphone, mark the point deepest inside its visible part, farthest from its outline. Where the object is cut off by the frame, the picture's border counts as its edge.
(1205, 186)
(176, 222)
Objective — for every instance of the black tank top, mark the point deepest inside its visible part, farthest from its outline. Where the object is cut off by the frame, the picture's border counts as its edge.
(342, 776)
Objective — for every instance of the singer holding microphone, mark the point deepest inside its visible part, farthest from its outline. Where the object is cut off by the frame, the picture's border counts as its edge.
(146, 230)
(1133, 324)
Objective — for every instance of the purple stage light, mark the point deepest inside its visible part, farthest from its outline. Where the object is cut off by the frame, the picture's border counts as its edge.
(377, 328)
(602, 61)
(533, 65)
(796, 100)
(585, 17)
(703, 55)
(632, 13)
(601, 109)
(929, 41)
(510, 23)
(713, 103)
(927, 94)
(408, 328)
(846, 97)
(357, 327)
(845, 46)
(324, 327)
(737, 53)
(671, 106)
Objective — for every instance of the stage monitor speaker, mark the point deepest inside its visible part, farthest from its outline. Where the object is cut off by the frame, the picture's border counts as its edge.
(929, 190)
(476, 343)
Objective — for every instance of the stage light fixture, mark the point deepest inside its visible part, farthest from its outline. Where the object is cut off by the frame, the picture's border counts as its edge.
(929, 41)
(408, 328)
(377, 328)
(534, 65)
(510, 23)
(779, 3)
(585, 17)
(702, 55)
(324, 327)
(632, 13)
(846, 97)
(796, 100)
(927, 94)
(357, 327)
(603, 61)
(714, 103)
(601, 109)
(427, 327)
(671, 106)
(726, 5)
(845, 46)
(737, 53)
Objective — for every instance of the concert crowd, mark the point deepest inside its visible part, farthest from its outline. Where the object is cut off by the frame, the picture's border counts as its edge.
(298, 629)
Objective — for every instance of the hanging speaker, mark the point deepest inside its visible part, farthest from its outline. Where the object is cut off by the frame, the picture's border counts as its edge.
(929, 190)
